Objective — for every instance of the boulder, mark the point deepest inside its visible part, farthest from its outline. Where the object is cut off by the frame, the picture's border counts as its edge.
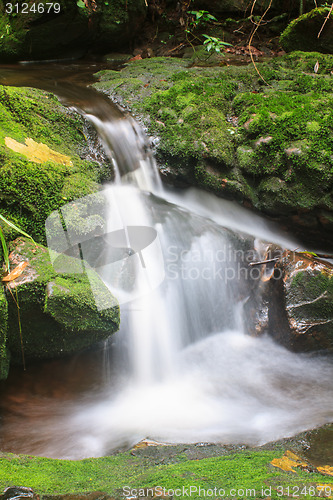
(301, 302)
(302, 33)
(60, 313)
(45, 158)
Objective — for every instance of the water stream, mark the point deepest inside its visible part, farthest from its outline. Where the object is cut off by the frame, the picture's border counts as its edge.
(182, 368)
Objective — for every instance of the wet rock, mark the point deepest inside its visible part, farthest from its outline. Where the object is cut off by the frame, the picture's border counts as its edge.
(58, 311)
(17, 493)
(301, 302)
(302, 33)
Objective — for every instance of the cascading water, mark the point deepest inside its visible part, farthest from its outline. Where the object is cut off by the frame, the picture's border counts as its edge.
(181, 368)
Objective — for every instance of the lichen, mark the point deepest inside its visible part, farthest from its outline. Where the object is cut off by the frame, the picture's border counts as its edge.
(29, 193)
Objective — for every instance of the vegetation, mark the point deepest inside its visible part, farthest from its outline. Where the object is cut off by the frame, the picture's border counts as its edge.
(246, 470)
(29, 193)
(225, 130)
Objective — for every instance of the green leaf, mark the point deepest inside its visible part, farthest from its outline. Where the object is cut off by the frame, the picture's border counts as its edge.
(16, 228)
(80, 4)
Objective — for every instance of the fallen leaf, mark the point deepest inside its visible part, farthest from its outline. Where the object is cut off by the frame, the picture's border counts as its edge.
(326, 469)
(325, 490)
(136, 58)
(15, 273)
(37, 152)
(316, 67)
(288, 462)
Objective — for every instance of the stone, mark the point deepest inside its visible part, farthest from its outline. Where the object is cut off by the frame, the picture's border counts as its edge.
(301, 302)
(271, 143)
(302, 33)
(58, 311)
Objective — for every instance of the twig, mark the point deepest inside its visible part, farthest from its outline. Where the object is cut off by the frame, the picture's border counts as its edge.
(325, 20)
(264, 262)
(19, 322)
(253, 33)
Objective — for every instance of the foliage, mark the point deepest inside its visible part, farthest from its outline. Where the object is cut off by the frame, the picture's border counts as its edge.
(214, 44)
(200, 18)
(3, 239)
(240, 472)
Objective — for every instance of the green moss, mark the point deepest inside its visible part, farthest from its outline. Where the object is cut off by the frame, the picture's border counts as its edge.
(60, 312)
(242, 471)
(302, 33)
(29, 191)
(4, 355)
(318, 290)
(272, 143)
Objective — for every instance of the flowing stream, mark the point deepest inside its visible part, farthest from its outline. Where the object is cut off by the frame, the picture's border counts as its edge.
(182, 368)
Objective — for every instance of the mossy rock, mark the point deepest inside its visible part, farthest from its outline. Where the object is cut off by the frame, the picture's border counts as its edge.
(304, 285)
(60, 313)
(266, 143)
(31, 189)
(302, 33)
(118, 21)
(241, 7)
(4, 355)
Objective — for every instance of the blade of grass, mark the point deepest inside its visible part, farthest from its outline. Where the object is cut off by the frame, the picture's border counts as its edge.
(13, 226)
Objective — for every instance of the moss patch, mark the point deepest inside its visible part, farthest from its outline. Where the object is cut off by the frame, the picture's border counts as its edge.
(245, 470)
(224, 129)
(60, 312)
(29, 192)
(302, 33)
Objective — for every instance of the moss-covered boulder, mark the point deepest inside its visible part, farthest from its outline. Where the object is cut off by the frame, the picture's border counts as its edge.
(4, 355)
(58, 311)
(66, 28)
(302, 33)
(301, 303)
(264, 141)
(44, 158)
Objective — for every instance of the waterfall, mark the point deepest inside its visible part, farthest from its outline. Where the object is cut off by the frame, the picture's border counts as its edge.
(186, 370)
(182, 368)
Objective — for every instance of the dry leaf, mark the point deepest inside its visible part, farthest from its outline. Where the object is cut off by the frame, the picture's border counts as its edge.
(326, 469)
(37, 152)
(288, 462)
(316, 67)
(15, 273)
